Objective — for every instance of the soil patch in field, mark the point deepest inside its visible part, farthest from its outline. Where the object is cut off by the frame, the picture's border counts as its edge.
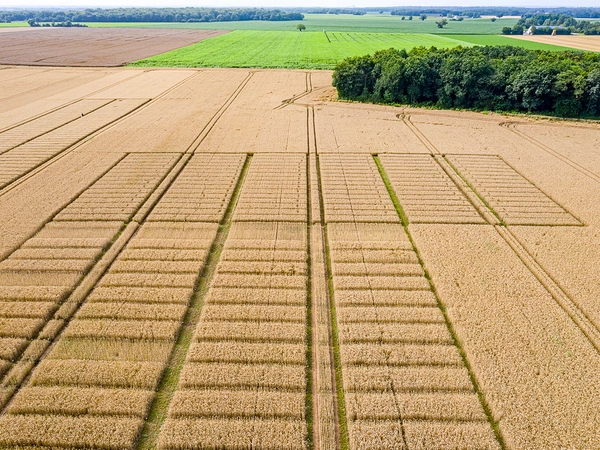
(93, 47)
(591, 43)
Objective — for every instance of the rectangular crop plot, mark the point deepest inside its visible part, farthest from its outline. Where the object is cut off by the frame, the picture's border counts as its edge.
(513, 197)
(426, 193)
(120, 192)
(275, 189)
(353, 190)
(202, 191)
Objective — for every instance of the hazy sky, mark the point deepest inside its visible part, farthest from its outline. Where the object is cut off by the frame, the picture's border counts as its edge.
(283, 3)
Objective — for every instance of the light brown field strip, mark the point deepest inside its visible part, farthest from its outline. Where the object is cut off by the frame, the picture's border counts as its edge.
(405, 385)
(202, 190)
(14, 113)
(254, 125)
(20, 160)
(173, 122)
(353, 190)
(514, 198)
(47, 123)
(427, 194)
(363, 129)
(244, 381)
(274, 190)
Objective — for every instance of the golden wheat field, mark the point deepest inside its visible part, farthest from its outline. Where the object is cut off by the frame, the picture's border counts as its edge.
(230, 259)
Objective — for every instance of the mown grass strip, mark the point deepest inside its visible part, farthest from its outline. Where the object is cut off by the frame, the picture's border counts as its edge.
(170, 380)
(493, 423)
(337, 359)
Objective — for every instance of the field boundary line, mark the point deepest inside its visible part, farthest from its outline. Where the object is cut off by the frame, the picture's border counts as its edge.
(512, 126)
(569, 306)
(311, 400)
(476, 387)
(169, 381)
(108, 102)
(69, 103)
(325, 417)
(338, 391)
(68, 306)
(215, 118)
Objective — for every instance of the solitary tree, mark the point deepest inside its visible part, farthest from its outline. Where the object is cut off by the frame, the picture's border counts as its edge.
(423, 16)
(300, 27)
(493, 19)
(441, 23)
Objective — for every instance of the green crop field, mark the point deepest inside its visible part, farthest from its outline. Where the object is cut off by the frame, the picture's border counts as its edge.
(280, 49)
(14, 24)
(370, 23)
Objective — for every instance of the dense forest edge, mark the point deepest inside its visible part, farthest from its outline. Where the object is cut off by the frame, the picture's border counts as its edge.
(491, 78)
(194, 14)
(149, 15)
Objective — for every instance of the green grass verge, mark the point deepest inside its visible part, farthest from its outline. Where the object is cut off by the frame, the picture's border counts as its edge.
(14, 24)
(308, 50)
(370, 23)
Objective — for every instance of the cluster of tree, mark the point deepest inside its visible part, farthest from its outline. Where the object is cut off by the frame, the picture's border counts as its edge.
(152, 15)
(492, 78)
(66, 24)
(475, 11)
(353, 11)
(547, 23)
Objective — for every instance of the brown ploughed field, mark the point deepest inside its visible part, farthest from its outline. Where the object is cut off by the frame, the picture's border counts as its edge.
(93, 47)
(225, 259)
(591, 43)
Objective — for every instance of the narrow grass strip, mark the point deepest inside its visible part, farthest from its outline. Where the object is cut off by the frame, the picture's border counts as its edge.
(309, 319)
(341, 403)
(170, 380)
(493, 423)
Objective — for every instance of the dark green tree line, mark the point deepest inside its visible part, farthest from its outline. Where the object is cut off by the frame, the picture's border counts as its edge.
(496, 78)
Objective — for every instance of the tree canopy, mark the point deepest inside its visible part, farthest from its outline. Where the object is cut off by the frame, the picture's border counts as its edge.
(498, 78)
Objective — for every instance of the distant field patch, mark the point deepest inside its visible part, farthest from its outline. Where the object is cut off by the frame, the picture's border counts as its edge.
(505, 40)
(384, 23)
(279, 49)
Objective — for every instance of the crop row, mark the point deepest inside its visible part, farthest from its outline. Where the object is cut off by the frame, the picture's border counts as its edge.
(353, 190)
(274, 189)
